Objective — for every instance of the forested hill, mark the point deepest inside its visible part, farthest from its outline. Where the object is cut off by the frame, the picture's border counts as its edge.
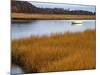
(26, 7)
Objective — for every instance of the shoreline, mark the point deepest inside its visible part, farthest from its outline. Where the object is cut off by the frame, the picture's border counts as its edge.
(27, 16)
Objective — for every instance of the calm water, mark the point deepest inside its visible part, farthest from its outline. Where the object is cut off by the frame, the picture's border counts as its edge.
(46, 27)
(16, 70)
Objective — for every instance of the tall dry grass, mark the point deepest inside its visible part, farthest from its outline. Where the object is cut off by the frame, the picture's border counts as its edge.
(27, 16)
(60, 52)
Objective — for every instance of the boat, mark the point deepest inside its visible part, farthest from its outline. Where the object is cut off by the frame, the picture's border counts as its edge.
(78, 22)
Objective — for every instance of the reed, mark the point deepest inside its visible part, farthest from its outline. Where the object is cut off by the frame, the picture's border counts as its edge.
(58, 52)
(24, 16)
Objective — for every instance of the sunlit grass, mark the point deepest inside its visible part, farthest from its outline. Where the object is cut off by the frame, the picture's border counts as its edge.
(27, 16)
(59, 52)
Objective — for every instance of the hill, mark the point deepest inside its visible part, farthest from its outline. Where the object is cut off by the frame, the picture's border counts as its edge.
(26, 7)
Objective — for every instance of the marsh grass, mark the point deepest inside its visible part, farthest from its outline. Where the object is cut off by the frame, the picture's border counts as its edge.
(24, 16)
(59, 52)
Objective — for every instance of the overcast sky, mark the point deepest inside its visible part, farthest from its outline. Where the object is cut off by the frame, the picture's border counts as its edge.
(65, 6)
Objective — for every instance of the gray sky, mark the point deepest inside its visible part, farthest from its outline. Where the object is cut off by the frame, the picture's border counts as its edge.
(65, 6)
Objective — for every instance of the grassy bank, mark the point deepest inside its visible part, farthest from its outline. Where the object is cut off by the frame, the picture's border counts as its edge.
(68, 51)
(50, 16)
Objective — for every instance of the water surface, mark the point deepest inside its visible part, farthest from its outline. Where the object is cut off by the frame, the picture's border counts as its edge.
(48, 27)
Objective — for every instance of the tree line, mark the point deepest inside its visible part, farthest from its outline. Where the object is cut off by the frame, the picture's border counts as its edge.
(26, 7)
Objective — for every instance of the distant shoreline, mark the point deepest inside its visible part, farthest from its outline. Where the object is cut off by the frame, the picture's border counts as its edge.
(28, 16)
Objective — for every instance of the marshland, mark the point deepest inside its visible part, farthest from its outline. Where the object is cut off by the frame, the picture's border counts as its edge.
(70, 51)
(46, 49)
(52, 39)
(30, 16)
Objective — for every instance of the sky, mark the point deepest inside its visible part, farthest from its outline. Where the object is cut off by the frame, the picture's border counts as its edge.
(65, 6)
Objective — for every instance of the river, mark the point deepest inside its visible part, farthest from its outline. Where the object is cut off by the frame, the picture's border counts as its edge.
(48, 27)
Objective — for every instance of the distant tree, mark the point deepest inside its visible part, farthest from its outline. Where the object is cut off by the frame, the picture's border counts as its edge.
(26, 7)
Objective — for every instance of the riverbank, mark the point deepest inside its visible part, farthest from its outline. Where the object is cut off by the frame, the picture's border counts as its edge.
(60, 52)
(26, 16)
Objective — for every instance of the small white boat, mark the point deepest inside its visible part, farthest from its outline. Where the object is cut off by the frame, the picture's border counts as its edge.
(77, 22)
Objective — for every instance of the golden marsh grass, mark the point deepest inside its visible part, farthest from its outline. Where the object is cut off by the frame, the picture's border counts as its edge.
(50, 16)
(60, 52)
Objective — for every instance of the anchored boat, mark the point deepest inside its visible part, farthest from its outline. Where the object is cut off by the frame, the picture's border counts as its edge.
(77, 22)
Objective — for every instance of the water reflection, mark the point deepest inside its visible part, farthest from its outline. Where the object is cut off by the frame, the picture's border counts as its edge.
(46, 27)
(16, 70)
